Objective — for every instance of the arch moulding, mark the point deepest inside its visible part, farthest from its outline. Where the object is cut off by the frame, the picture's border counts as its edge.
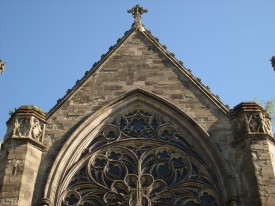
(78, 150)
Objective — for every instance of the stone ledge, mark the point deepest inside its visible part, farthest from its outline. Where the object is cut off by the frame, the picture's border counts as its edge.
(253, 136)
(24, 140)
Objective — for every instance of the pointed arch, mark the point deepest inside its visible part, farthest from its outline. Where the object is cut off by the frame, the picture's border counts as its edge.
(79, 142)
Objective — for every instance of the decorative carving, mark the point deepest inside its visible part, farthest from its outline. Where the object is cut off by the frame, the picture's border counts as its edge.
(250, 118)
(255, 123)
(252, 123)
(25, 123)
(137, 11)
(141, 159)
(266, 123)
(16, 165)
(26, 127)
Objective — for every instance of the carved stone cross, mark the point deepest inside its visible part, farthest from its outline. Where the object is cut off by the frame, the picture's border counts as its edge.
(2, 66)
(137, 11)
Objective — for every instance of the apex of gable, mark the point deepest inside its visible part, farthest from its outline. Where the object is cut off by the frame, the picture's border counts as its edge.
(137, 11)
(124, 53)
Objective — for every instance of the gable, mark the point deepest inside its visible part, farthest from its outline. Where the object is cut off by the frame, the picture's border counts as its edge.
(138, 61)
(139, 50)
(138, 129)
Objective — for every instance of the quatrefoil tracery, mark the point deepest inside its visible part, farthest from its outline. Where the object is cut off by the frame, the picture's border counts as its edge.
(140, 159)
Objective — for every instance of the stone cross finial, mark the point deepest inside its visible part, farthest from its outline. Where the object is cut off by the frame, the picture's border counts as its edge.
(273, 62)
(2, 66)
(137, 11)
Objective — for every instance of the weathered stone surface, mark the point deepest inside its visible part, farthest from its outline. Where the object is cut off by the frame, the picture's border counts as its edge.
(20, 156)
(255, 145)
(19, 169)
(137, 63)
(159, 76)
(241, 141)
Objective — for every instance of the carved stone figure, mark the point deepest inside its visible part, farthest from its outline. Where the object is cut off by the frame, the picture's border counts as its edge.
(25, 126)
(252, 122)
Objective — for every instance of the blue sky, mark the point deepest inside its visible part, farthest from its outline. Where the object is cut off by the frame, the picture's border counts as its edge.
(48, 45)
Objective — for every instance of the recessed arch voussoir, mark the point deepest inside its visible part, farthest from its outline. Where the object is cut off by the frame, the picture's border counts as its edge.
(88, 129)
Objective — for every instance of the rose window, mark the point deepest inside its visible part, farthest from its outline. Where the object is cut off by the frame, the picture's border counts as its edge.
(140, 159)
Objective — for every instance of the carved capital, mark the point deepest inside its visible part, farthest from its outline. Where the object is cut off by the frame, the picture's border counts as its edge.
(27, 122)
(250, 118)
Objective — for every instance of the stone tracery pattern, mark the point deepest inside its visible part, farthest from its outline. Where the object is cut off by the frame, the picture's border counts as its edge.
(140, 159)
(252, 123)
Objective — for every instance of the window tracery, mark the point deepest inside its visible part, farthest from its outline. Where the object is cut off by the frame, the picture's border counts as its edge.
(141, 159)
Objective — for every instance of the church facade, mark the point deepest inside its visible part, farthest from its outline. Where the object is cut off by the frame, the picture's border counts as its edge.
(138, 130)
